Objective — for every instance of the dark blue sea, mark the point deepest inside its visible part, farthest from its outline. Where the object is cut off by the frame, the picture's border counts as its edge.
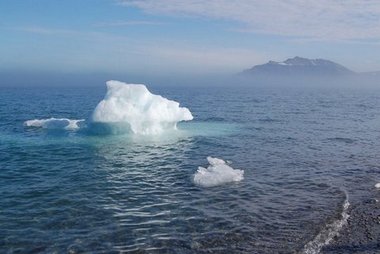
(307, 155)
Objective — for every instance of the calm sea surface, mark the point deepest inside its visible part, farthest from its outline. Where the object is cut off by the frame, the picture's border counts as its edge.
(305, 153)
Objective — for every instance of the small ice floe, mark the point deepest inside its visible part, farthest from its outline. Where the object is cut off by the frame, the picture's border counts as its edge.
(217, 173)
(377, 186)
(55, 123)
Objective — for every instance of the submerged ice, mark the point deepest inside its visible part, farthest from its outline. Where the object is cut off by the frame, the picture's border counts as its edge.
(217, 173)
(133, 106)
(54, 123)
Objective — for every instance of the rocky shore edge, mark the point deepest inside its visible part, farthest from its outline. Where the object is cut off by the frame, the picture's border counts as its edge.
(361, 234)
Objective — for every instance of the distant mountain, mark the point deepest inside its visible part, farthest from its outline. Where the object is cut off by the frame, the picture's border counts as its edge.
(299, 66)
(370, 74)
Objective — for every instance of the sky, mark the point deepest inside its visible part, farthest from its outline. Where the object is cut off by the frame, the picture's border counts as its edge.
(184, 37)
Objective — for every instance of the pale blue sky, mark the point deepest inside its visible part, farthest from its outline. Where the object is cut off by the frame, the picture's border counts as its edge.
(184, 37)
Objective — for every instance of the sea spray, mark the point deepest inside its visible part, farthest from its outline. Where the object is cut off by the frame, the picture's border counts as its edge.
(217, 173)
(132, 106)
(329, 231)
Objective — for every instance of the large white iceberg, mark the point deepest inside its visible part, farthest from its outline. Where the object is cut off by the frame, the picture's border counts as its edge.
(217, 173)
(134, 106)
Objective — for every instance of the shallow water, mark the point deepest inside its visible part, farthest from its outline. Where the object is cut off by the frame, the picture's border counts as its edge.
(301, 151)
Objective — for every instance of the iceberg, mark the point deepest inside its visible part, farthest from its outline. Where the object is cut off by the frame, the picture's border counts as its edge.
(217, 173)
(133, 106)
(54, 123)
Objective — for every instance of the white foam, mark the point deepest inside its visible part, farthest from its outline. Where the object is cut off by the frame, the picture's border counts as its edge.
(54, 123)
(329, 232)
(217, 173)
(377, 185)
(134, 106)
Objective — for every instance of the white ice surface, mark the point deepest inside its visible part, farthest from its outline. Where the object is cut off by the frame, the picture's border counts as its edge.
(54, 123)
(217, 173)
(134, 106)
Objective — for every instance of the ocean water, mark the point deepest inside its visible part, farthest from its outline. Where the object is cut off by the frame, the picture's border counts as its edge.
(307, 154)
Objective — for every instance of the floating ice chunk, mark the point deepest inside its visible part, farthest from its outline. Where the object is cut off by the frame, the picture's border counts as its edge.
(134, 106)
(217, 173)
(54, 123)
(377, 185)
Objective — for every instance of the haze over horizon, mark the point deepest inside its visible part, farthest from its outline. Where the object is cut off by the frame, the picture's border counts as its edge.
(149, 39)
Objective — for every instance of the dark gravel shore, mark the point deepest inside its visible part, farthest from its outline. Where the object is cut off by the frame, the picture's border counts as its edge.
(362, 232)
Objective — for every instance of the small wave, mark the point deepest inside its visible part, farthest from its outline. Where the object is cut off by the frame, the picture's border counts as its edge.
(329, 232)
(342, 140)
(55, 123)
(217, 173)
(215, 119)
(268, 120)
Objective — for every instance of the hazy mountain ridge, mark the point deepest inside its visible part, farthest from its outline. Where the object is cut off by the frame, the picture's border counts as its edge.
(370, 73)
(299, 66)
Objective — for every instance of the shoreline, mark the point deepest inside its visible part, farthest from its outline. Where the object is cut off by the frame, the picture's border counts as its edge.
(361, 234)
